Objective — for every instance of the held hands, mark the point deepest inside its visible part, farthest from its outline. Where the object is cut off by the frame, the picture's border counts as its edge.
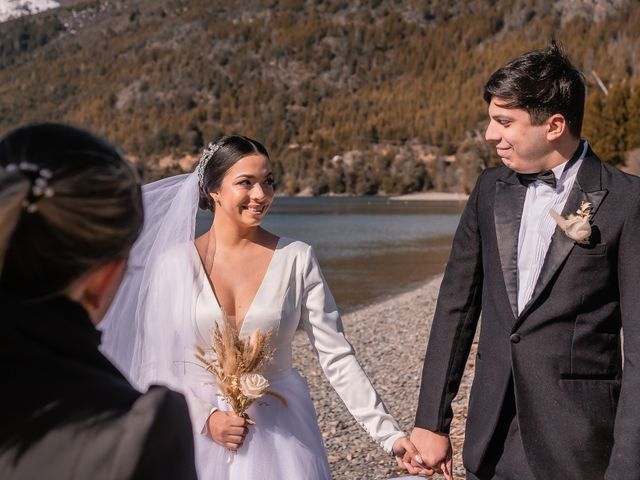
(408, 458)
(227, 429)
(435, 451)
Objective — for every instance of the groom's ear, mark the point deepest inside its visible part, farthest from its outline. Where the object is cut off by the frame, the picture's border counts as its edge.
(556, 126)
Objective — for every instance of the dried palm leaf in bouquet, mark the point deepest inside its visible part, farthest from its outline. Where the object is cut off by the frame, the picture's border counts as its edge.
(237, 365)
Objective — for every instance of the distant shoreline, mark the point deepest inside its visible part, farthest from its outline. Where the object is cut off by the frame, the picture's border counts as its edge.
(432, 197)
(418, 196)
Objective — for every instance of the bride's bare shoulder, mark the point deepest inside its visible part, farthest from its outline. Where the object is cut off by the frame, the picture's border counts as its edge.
(201, 244)
(268, 239)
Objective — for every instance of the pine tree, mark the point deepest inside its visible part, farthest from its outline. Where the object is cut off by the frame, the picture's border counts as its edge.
(612, 144)
(592, 119)
(633, 125)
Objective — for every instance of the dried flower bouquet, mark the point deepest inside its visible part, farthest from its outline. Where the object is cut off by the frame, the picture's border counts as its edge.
(237, 365)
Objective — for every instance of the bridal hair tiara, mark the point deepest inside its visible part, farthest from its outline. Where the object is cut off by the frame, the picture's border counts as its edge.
(204, 159)
(40, 183)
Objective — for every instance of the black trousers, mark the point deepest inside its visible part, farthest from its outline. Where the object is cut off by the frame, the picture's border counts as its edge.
(505, 458)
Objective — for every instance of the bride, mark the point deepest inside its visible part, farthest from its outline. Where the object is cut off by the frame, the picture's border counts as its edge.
(179, 286)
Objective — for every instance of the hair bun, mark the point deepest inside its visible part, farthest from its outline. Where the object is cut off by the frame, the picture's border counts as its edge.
(205, 202)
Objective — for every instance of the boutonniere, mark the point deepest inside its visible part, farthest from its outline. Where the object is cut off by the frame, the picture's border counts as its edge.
(575, 226)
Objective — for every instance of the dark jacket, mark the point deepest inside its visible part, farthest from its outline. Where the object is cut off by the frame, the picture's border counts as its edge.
(576, 407)
(67, 413)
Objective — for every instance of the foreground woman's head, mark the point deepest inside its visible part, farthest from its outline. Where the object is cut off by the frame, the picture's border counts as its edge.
(236, 180)
(70, 210)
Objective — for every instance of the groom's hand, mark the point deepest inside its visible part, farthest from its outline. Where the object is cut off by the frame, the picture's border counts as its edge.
(435, 450)
(406, 454)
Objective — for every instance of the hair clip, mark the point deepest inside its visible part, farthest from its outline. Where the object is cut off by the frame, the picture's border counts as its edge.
(40, 183)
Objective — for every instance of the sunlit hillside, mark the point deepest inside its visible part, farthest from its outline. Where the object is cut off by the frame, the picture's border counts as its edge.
(359, 97)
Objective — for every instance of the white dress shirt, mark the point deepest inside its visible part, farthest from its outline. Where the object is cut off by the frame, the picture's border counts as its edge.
(537, 225)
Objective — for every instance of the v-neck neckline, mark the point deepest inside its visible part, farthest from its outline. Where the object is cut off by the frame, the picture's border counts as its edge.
(213, 290)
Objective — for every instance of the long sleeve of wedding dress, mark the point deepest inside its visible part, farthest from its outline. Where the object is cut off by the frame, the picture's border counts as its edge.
(321, 321)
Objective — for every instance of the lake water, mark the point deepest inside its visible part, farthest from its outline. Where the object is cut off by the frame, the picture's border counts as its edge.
(368, 247)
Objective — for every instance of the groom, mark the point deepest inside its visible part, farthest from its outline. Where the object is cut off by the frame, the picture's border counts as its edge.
(550, 399)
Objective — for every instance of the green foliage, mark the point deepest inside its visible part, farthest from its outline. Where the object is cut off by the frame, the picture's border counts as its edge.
(633, 125)
(613, 125)
(312, 80)
(25, 35)
(612, 122)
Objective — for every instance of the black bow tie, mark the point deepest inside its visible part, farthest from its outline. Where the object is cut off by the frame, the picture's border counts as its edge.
(546, 177)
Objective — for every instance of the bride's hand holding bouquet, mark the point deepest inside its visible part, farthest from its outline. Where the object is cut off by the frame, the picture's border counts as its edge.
(237, 365)
(228, 429)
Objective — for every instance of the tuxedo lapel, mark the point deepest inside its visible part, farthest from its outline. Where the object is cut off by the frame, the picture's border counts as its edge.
(509, 202)
(586, 188)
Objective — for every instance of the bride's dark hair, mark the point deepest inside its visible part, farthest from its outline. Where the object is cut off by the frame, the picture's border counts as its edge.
(227, 151)
(69, 201)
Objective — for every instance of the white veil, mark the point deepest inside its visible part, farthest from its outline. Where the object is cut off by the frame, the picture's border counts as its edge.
(143, 331)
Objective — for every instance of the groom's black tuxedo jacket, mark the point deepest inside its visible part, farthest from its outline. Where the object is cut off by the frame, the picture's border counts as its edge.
(578, 410)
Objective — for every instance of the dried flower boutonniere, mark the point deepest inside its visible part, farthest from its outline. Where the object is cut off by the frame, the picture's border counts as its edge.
(576, 226)
(237, 365)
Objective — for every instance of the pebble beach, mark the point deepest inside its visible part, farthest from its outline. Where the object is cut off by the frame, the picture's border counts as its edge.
(390, 338)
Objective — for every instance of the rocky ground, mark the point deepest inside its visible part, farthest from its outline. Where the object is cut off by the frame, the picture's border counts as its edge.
(390, 338)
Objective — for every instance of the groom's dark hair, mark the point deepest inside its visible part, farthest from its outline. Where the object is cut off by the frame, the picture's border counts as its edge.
(542, 82)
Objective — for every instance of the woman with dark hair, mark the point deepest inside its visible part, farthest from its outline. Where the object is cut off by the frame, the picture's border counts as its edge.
(184, 285)
(70, 210)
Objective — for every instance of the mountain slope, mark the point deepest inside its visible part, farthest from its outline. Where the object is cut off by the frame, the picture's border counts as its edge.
(311, 80)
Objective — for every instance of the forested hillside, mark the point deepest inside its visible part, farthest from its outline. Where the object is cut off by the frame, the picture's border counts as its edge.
(357, 97)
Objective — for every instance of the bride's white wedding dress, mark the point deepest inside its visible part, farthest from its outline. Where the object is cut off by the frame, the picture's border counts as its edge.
(176, 310)
(286, 441)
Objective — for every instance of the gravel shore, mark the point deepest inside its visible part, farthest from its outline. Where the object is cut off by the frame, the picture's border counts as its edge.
(390, 339)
